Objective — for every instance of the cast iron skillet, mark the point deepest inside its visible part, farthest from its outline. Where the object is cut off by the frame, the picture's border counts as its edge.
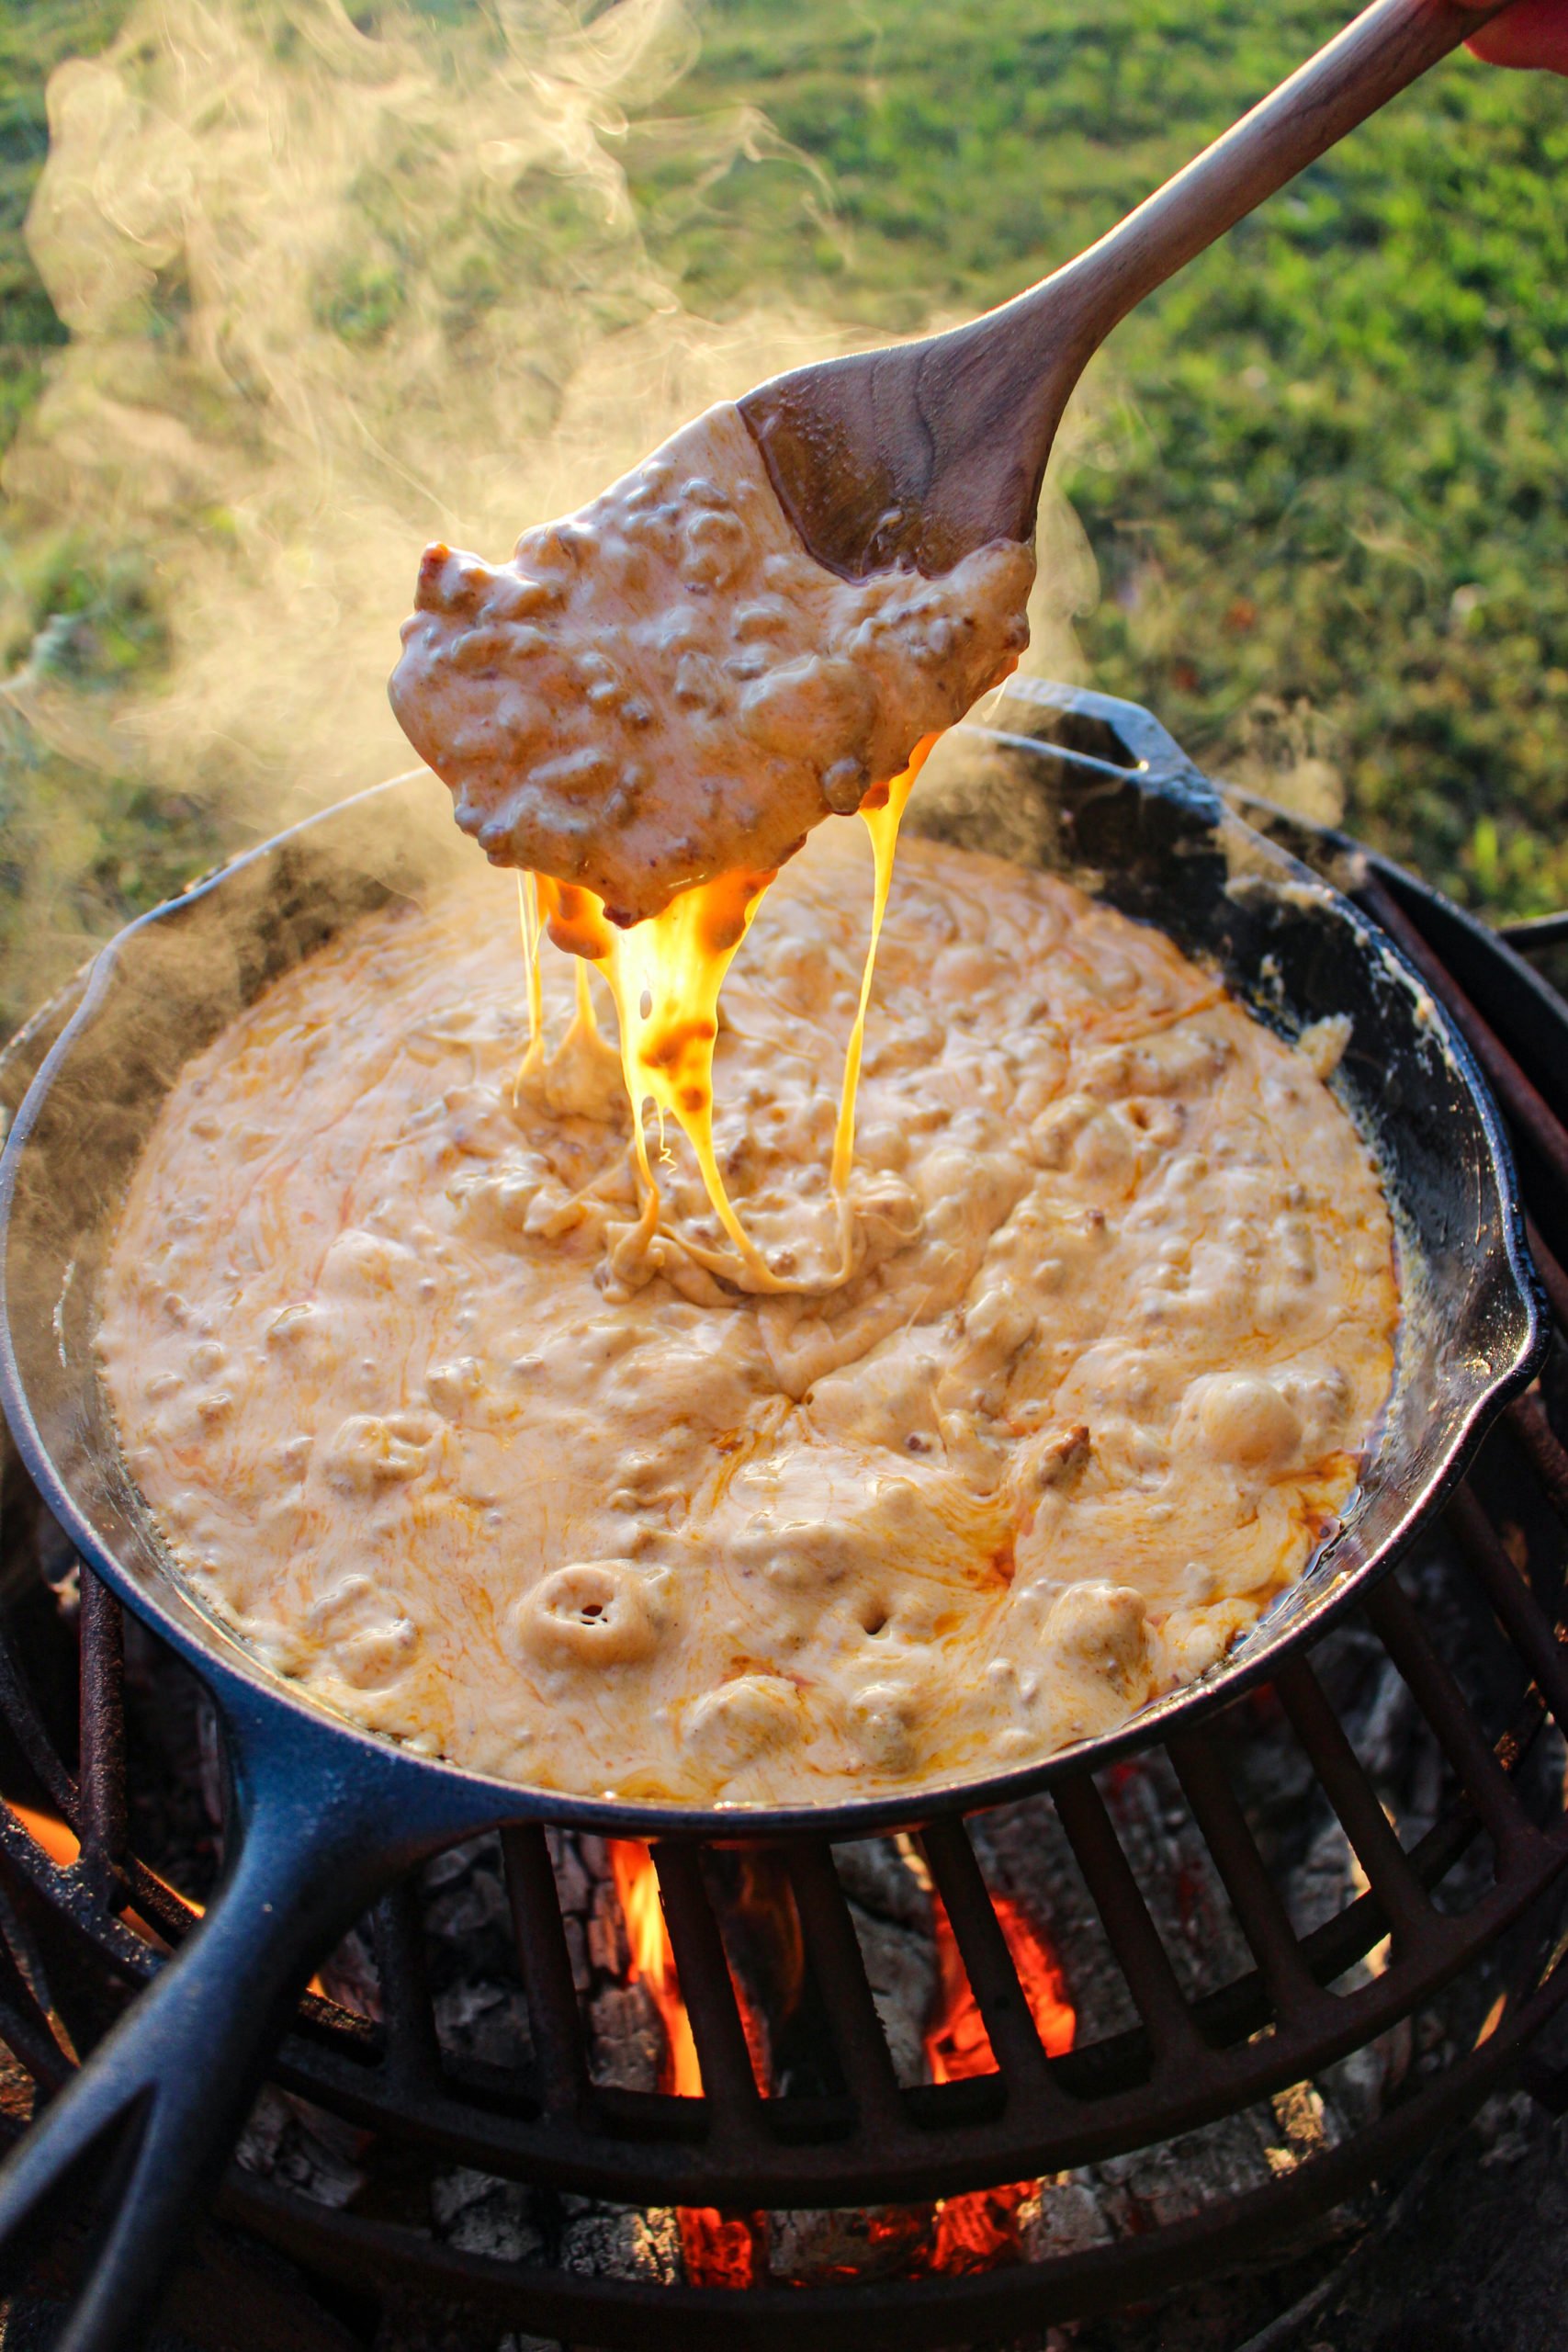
(323, 1816)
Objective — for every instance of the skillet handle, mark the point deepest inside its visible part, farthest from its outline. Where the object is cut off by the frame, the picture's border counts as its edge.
(151, 2119)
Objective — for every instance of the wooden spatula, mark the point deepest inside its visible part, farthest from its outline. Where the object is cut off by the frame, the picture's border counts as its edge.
(926, 451)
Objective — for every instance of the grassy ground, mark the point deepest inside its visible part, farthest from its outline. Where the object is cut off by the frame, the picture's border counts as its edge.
(35, 34)
(79, 849)
(1323, 477)
(1332, 466)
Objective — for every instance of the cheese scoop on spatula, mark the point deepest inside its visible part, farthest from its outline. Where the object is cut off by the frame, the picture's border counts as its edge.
(763, 620)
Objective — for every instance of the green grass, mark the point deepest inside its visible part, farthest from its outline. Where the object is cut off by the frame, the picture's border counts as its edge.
(1322, 475)
(1331, 459)
(35, 36)
(79, 849)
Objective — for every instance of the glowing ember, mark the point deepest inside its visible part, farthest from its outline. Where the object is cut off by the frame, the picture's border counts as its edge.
(976, 2231)
(58, 1842)
(717, 2251)
(971, 2233)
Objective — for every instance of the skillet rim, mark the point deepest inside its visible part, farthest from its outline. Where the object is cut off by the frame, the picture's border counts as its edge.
(260, 1706)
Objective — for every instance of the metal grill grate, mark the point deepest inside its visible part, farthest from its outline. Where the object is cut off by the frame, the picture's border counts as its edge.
(870, 2141)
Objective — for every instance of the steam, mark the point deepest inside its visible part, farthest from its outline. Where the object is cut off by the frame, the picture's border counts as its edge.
(1288, 753)
(332, 293)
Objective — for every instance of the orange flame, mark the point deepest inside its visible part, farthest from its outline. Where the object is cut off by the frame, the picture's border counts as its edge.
(717, 2251)
(957, 2045)
(971, 2233)
(980, 2230)
(653, 1962)
(62, 1846)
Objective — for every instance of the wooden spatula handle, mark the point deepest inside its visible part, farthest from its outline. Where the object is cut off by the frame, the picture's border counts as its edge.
(920, 453)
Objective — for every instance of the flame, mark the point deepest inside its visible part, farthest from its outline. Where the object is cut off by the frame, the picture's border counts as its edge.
(956, 2043)
(971, 2233)
(62, 1846)
(653, 1962)
(718, 2250)
(980, 2230)
(57, 1840)
(665, 975)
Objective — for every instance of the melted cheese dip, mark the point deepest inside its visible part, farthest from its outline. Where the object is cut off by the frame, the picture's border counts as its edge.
(666, 686)
(443, 1431)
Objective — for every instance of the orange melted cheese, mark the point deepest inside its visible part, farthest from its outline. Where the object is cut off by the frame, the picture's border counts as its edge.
(647, 709)
(880, 1473)
(665, 686)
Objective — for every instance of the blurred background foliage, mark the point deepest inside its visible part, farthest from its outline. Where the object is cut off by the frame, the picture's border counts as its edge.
(1321, 477)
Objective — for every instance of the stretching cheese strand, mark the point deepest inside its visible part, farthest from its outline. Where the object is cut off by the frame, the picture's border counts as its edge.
(883, 814)
(665, 977)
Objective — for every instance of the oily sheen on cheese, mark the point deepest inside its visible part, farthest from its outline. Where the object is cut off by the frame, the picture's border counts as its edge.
(666, 687)
(435, 1415)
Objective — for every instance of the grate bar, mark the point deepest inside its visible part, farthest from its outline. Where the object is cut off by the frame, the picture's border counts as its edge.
(1548, 1454)
(729, 2082)
(37, 2051)
(40, 2043)
(555, 2020)
(413, 2051)
(102, 1823)
(1394, 1620)
(1017, 2301)
(169, 1912)
(834, 1952)
(20, 1711)
(1526, 1105)
(1393, 1882)
(1299, 2001)
(1548, 1266)
(988, 1960)
(1174, 2038)
(1540, 1645)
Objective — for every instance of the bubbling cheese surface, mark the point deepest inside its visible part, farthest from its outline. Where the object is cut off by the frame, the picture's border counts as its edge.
(448, 1431)
(666, 687)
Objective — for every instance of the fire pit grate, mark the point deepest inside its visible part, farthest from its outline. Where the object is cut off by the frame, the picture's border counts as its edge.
(1477, 1894)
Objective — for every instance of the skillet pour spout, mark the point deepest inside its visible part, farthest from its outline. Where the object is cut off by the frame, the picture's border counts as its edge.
(324, 1815)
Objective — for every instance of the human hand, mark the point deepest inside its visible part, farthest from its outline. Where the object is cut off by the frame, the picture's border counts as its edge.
(1532, 32)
